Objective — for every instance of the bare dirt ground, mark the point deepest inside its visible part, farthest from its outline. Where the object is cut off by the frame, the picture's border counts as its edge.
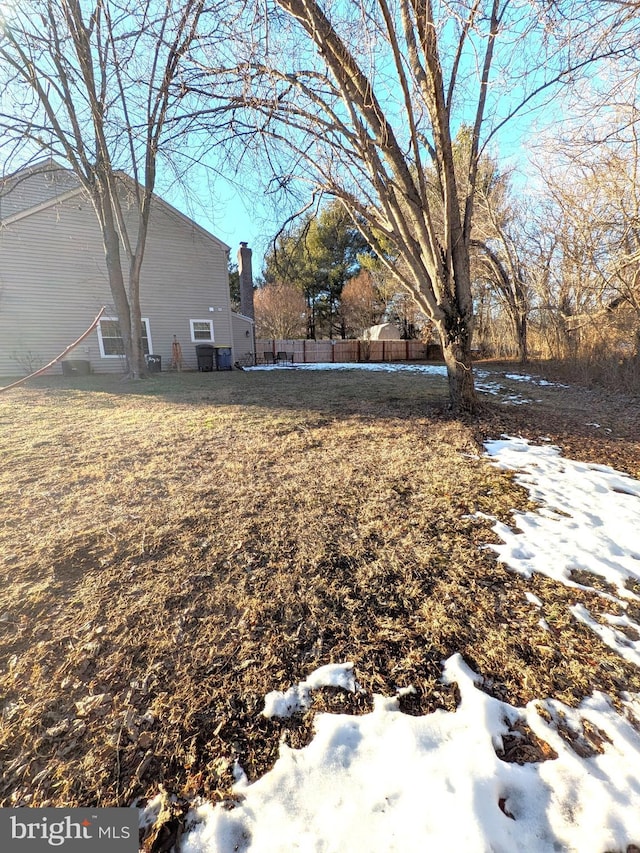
(171, 551)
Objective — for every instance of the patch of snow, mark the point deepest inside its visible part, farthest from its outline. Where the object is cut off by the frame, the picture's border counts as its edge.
(534, 380)
(595, 531)
(148, 815)
(616, 640)
(489, 388)
(298, 697)
(375, 366)
(519, 377)
(516, 400)
(387, 782)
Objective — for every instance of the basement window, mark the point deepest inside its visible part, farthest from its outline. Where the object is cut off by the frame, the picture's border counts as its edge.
(201, 331)
(110, 337)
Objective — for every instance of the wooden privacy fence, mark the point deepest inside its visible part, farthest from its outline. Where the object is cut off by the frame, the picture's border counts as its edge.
(309, 352)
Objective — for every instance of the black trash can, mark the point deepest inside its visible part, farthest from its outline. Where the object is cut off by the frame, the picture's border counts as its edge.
(154, 363)
(223, 358)
(204, 354)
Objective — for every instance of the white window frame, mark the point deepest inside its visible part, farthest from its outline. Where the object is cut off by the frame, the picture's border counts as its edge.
(103, 354)
(195, 340)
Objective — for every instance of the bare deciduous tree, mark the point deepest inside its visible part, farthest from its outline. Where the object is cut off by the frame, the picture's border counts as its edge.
(497, 254)
(586, 272)
(96, 85)
(361, 305)
(368, 103)
(280, 311)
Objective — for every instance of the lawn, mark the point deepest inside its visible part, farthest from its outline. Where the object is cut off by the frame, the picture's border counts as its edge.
(173, 550)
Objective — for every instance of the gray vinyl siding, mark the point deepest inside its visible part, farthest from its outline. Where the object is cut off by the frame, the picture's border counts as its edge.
(33, 187)
(53, 281)
(243, 337)
(184, 275)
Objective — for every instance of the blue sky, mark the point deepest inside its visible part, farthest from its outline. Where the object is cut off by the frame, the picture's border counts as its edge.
(231, 211)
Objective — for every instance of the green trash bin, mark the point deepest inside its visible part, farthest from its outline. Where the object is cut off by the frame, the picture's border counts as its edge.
(223, 358)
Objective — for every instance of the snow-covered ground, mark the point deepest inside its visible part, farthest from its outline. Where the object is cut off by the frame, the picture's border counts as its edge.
(387, 781)
(376, 366)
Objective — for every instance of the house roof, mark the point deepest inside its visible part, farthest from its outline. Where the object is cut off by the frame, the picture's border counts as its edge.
(34, 187)
(45, 184)
(243, 317)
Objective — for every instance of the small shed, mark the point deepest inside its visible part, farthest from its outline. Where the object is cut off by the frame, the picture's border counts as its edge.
(382, 332)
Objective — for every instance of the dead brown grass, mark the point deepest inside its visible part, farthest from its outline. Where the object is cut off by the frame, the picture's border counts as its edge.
(598, 367)
(172, 551)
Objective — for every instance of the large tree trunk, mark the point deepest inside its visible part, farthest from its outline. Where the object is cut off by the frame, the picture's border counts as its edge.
(636, 354)
(117, 286)
(137, 362)
(521, 337)
(128, 313)
(456, 349)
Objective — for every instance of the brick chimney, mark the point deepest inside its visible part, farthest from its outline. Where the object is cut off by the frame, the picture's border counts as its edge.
(246, 281)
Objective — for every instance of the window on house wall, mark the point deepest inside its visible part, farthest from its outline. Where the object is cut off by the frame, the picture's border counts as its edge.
(201, 331)
(110, 337)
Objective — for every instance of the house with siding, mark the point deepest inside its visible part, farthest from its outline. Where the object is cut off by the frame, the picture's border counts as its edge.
(53, 280)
